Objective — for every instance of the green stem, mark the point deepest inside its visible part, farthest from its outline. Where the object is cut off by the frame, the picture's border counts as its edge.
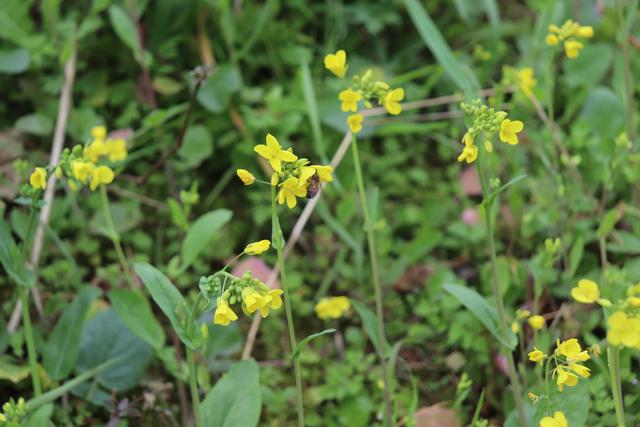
(628, 80)
(31, 348)
(371, 242)
(613, 356)
(114, 236)
(502, 316)
(193, 386)
(278, 244)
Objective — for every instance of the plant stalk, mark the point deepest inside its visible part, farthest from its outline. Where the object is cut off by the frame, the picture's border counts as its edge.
(371, 243)
(278, 244)
(613, 357)
(31, 348)
(115, 237)
(193, 386)
(502, 316)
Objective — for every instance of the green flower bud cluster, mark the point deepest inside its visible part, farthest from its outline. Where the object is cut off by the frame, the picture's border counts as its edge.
(230, 287)
(13, 413)
(485, 119)
(370, 88)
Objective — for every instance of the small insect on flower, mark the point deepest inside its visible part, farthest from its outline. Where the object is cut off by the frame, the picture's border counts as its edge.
(558, 420)
(38, 179)
(313, 186)
(336, 63)
(256, 248)
(245, 176)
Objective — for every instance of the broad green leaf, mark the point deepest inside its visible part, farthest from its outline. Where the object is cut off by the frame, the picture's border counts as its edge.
(625, 242)
(201, 233)
(370, 324)
(62, 348)
(296, 352)
(134, 310)
(197, 146)
(11, 370)
(574, 402)
(484, 311)
(223, 341)
(603, 112)
(126, 216)
(215, 93)
(106, 337)
(41, 417)
(169, 300)
(590, 67)
(461, 76)
(14, 61)
(35, 124)
(125, 28)
(236, 400)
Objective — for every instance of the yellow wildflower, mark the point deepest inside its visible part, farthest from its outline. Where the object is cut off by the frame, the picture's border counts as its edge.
(38, 179)
(288, 192)
(526, 81)
(245, 176)
(355, 122)
(634, 290)
(349, 99)
(579, 369)
(536, 356)
(623, 330)
(274, 153)
(558, 420)
(254, 300)
(522, 314)
(536, 321)
(324, 172)
(391, 101)
(552, 40)
(572, 351)
(224, 315)
(95, 150)
(82, 170)
(572, 48)
(336, 63)
(256, 248)
(99, 132)
(332, 308)
(275, 302)
(116, 149)
(100, 175)
(509, 130)
(586, 292)
(469, 153)
(515, 327)
(565, 378)
(584, 32)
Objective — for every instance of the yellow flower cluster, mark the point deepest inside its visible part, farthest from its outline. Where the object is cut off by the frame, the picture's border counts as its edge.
(569, 33)
(567, 358)
(486, 123)
(557, 420)
(293, 176)
(332, 307)
(365, 89)
(536, 321)
(81, 164)
(523, 78)
(251, 299)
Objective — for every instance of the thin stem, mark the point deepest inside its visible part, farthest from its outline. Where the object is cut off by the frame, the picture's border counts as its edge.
(613, 356)
(502, 316)
(628, 80)
(371, 242)
(114, 236)
(193, 386)
(278, 245)
(28, 335)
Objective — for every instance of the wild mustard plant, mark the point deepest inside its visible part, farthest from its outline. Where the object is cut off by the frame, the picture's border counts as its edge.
(569, 35)
(292, 178)
(365, 89)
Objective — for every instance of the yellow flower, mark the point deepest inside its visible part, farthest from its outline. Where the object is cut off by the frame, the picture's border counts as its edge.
(558, 420)
(349, 99)
(634, 301)
(324, 172)
(332, 308)
(634, 290)
(469, 153)
(38, 179)
(536, 355)
(536, 321)
(254, 300)
(565, 378)
(515, 327)
(583, 371)
(275, 303)
(586, 292)
(391, 101)
(623, 330)
(95, 150)
(355, 122)
(116, 149)
(99, 132)
(289, 190)
(526, 81)
(224, 315)
(572, 48)
(100, 175)
(585, 32)
(256, 248)
(274, 153)
(336, 63)
(245, 176)
(572, 351)
(552, 40)
(509, 129)
(82, 170)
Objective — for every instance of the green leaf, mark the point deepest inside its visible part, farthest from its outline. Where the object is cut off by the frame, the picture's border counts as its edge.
(484, 311)
(370, 324)
(35, 124)
(236, 400)
(134, 310)
(201, 233)
(41, 417)
(303, 343)
(169, 300)
(603, 112)
(12, 259)
(197, 146)
(215, 93)
(11, 370)
(104, 338)
(126, 216)
(461, 76)
(126, 30)
(63, 346)
(608, 222)
(14, 61)
(574, 402)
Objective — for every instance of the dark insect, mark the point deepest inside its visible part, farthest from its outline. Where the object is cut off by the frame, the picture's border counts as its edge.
(314, 186)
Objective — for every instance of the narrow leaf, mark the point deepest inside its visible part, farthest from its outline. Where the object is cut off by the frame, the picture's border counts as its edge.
(304, 342)
(370, 323)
